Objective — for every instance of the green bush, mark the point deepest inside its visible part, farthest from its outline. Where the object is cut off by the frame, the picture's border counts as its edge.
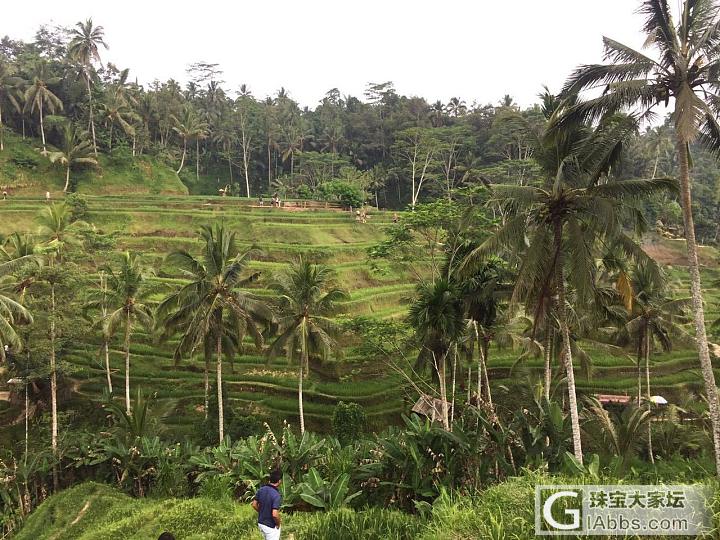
(349, 422)
(78, 205)
(342, 192)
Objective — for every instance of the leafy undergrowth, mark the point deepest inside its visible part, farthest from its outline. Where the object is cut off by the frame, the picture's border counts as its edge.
(91, 511)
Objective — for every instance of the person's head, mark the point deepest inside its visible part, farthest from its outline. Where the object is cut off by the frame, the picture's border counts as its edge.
(275, 477)
(166, 536)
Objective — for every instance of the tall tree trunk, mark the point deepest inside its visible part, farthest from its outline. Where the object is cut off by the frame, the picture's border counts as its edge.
(486, 354)
(53, 389)
(42, 126)
(442, 377)
(481, 361)
(182, 159)
(567, 353)
(67, 178)
(303, 361)
(647, 382)
(92, 120)
(221, 416)
(452, 391)
(127, 365)
(230, 167)
(697, 299)
(548, 358)
(246, 160)
(2, 146)
(107, 366)
(197, 160)
(269, 165)
(469, 382)
(206, 384)
(103, 288)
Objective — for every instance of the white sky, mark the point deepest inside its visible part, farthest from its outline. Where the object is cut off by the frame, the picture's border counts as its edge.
(478, 50)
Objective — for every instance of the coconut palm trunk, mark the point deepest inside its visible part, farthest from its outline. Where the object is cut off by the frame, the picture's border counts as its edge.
(269, 166)
(182, 159)
(452, 387)
(303, 361)
(127, 365)
(647, 383)
(92, 119)
(206, 384)
(485, 353)
(2, 146)
(53, 390)
(221, 415)
(547, 353)
(106, 346)
(197, 159)
(42, 125)
(246, 162)
(67, 178)
(697, 298)
(566, 350)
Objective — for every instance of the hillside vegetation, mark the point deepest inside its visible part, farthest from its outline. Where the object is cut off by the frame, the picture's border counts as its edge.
(25, 171)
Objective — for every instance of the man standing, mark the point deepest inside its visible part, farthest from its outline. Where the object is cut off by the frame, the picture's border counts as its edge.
(267, 504)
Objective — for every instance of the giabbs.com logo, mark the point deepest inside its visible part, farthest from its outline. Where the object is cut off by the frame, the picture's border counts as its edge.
(558, 510)
(623, 510)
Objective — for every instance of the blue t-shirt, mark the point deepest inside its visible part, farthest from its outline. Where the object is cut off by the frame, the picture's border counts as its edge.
(268, 497)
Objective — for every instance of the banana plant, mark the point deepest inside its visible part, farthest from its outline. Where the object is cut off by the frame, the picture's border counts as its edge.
(320, 493)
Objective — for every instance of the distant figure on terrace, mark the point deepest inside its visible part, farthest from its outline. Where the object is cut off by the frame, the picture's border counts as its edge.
(260, 201)
(395, 217)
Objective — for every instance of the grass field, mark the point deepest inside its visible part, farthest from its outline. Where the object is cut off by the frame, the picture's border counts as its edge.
(156, 224)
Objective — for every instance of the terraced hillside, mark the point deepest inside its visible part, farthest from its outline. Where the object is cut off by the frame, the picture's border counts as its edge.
(154, 225)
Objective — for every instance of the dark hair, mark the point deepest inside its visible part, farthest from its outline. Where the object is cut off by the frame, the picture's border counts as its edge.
(166, 536)
(275, 476)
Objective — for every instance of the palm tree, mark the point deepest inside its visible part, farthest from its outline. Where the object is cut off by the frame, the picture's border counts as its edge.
(76, 150)
(54, 225)
(652, 317)
(188, 127)
(8, 86)
(306, 299)
(12, 312)
(684, 70)
(437, 315)
(127, 291)
(84, 49)
(226, 137)
(99, 301)
(39, 97)
(116, 111)
(562, 220)
(482, 293)
(212, 310)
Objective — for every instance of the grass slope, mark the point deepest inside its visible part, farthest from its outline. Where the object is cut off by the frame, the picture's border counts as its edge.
(25, 171)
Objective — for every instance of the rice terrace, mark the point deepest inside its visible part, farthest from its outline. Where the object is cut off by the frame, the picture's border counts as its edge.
(230, 312)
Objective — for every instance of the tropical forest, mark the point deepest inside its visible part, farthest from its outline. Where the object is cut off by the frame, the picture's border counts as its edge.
(400, 314)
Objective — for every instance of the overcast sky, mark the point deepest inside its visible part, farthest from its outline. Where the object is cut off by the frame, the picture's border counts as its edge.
(477, 49)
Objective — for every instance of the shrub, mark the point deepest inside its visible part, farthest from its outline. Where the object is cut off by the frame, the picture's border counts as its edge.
(343, 192)
(349, 421)
(78, 207)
